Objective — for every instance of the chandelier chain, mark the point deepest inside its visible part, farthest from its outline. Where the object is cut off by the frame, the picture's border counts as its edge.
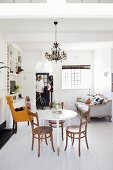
(56, 33)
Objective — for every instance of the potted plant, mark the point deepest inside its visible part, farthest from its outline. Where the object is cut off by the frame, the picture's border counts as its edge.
(17, 88)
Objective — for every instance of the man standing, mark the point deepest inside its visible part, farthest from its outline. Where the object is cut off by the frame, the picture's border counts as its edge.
(39, 89)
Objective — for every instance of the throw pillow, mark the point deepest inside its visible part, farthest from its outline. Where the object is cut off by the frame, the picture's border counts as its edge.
(97, 99)
(101, 101)
(19, 109)
(88, 101)
(83, 99)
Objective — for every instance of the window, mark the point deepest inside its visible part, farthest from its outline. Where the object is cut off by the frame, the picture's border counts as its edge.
(76, 76)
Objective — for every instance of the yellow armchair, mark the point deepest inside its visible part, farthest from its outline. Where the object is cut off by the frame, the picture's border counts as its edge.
(18, 114)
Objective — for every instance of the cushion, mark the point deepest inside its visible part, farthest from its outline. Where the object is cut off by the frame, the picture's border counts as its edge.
(83, 108)
(19, 109)
(91, 98)
(83, 99)
(78, 103)
(98, 101)
(101, 101)
(88, 101)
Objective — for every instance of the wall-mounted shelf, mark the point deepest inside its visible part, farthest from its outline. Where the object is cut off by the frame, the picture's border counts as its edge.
(14, 79)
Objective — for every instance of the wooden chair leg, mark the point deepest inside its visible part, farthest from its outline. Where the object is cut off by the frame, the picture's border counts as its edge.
(66, 140)
(52, 142)
(15, 127)
(79, 145)
(86, 141)
(88, 118)
(110, 118)
(62, 126)
(38, 146)
(41, 138)
(46, 140)
(32, 141)
(71, 136)
(73, 139)
(51, 127)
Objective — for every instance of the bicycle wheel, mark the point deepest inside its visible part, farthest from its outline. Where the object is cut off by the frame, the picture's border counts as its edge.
(42, 103)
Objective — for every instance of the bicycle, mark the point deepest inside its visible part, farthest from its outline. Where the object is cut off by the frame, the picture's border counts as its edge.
(42, 102)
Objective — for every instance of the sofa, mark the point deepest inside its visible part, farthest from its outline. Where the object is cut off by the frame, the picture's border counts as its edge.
(98, 106)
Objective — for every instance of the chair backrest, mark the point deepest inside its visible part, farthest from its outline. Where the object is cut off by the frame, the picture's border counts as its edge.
(10, 103)
(17, 115)
(33, 117)
(84, 119)
(62, 105)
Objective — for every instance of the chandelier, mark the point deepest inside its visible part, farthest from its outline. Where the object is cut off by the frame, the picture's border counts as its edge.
(57, 54)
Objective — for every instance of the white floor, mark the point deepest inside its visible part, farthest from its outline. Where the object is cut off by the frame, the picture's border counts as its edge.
(17, 154)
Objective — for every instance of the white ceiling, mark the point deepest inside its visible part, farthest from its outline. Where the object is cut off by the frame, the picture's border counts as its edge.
(23, 1)
(33, 34)
(44, 1)
(89, 1)
(64, 25)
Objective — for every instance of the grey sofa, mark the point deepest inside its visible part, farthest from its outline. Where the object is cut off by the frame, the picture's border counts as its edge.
(95, 109)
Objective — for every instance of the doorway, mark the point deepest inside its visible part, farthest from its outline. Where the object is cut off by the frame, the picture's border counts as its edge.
(48, 87)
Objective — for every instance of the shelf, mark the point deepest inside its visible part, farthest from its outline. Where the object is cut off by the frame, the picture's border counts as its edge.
(13, 74)
(16, 97)
(12, 60)
(15, 93)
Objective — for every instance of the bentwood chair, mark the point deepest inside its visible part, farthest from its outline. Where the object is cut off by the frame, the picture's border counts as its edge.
(18, 114)
(40, 132)
(61, 122)
(78, 131)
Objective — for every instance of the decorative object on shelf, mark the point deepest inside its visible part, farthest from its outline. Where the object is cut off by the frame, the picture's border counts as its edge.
(19, 70)
(106, 73)
(17, 88)
(3, 66)
(57, 54)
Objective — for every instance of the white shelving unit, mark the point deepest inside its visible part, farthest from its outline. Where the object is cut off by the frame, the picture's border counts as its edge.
(14, 78)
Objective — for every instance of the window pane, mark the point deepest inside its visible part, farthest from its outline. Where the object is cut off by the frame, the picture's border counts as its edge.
(75, 78)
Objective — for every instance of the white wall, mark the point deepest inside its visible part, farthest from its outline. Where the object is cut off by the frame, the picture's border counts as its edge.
(74, 58)
(112, 60)
(112, 72)
(102, 63)
(30, 60)
(2, 79)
